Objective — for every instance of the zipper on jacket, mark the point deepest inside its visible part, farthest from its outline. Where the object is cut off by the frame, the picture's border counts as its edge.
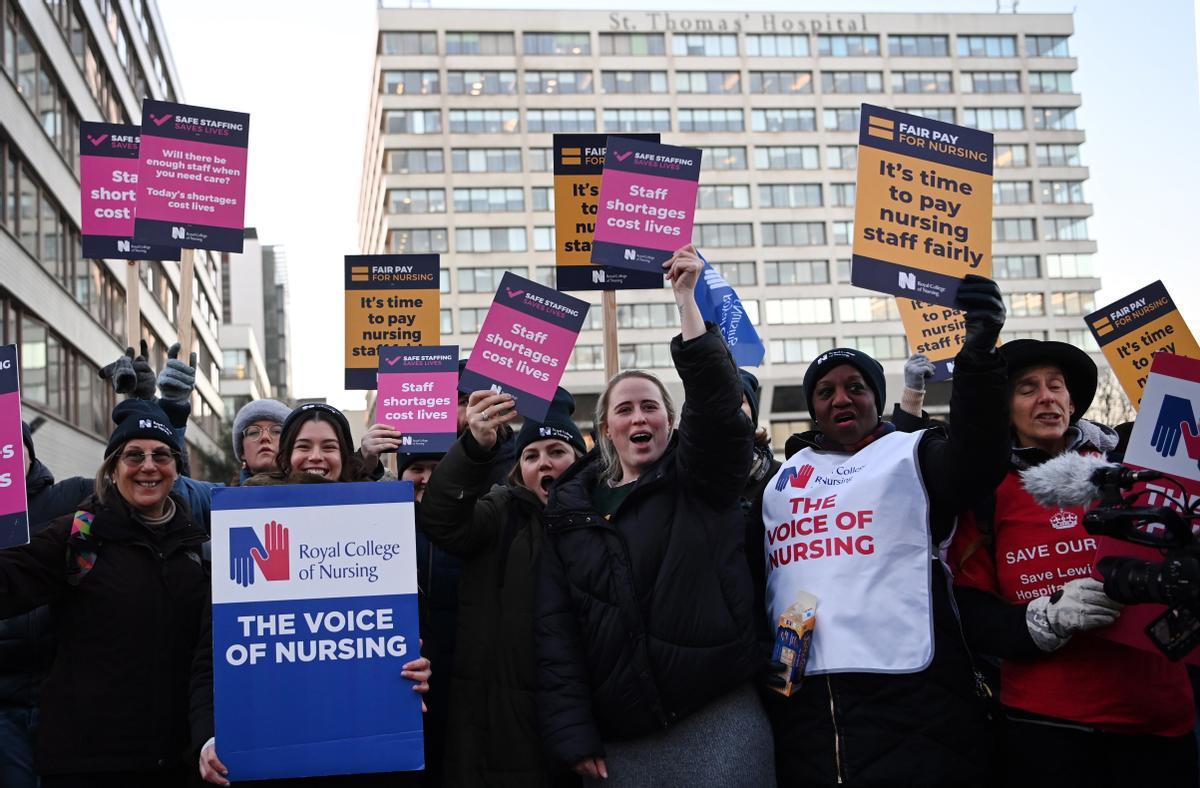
(837, 737)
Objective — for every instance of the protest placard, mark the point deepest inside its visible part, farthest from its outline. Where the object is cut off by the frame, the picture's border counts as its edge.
(1132, 329)
(923, 210)
(647, 203)
(418, 395)
(314, 615)
(578, 164)
(108, 176)
(524, 344)
(1165, 438)
(935, 331)
(191, 183)
(14, 519)
(391, 299)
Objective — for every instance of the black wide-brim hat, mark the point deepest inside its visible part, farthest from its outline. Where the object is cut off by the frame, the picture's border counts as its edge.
(1076, 365)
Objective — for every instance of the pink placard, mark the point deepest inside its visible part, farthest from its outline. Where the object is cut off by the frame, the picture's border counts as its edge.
(190, 181)
(108, 195)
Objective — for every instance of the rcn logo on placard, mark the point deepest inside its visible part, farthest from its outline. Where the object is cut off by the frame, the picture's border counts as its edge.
(179, 232)
(631, 254)
(122, 246)
(598, 276)
(246, 551)
(1176, 422)
(406, 440)
(794, 477)
(907, 280)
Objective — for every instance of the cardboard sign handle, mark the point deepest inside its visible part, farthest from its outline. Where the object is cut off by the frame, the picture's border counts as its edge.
(184, 327)
(133, 307)
(612, 357)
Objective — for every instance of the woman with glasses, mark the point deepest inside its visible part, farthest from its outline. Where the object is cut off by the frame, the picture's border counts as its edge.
(256, 430)
(126, 581)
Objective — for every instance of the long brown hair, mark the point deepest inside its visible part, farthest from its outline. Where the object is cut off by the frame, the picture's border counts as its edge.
(351, 463)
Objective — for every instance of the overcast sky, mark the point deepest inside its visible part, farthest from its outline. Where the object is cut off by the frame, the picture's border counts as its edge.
(303, 69)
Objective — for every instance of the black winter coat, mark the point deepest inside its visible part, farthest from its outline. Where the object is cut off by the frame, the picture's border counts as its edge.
(927, 728)
(493, 732)
(116, 696)
(648, 617)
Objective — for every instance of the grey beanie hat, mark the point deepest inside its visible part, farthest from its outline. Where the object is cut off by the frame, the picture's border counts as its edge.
(252, 411)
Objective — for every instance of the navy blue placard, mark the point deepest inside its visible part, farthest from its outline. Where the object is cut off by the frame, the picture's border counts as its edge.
(9, 380)
(923, 138)
(198, 124)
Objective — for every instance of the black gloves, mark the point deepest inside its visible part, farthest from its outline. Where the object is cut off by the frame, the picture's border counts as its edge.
(979, 298)
(130, 375)
(177, 379)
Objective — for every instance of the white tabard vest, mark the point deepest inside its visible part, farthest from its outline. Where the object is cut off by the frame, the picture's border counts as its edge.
(853, 530)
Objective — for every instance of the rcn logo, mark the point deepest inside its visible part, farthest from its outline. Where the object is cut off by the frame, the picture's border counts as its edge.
(179, 232)
(631, 254)
(1176, 422)
(245, 550)
(598, 276)
(406, 440)
(794, 477)
(123, 246)
(907, 280)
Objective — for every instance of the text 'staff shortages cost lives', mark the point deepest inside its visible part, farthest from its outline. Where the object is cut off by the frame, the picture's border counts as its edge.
(647, 203)
(418, 395)
(524, 344)
(108, 177)
(14, 521)
(391, 299)
(1132, 329)
(314, 615)
(192, 177)
(578, 165)
(923, 218)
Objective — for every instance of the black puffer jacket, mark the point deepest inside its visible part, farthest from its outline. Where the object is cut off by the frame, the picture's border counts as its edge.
(116, 696)
(648, 617)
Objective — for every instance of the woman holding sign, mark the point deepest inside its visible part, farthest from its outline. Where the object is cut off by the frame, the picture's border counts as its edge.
(645, 609)
(125, 577)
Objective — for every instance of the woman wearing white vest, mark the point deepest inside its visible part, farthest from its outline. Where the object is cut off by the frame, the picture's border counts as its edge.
(855, 518)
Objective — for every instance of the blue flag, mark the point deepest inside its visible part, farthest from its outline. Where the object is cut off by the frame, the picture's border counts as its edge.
(720, 304)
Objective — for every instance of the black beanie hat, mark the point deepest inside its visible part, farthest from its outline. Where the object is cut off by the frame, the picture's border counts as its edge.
(27, 439)
(751, 388)
(297, 417)
(872, 372)
(557, 424)
(140, 418)
(405, 460)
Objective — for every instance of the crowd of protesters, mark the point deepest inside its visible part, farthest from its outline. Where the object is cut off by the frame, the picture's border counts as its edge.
(629, 595)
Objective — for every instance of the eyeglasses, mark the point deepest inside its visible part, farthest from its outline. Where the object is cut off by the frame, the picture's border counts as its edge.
(254, 433)
(135, 459)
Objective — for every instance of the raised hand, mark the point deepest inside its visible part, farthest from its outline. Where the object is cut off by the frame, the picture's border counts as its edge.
(273, 562)
(121, 373)
(487, 413)
(379, 438)
(177, 379)
(979, 297)
(917, 370)
(144, 388)
(1167, 432)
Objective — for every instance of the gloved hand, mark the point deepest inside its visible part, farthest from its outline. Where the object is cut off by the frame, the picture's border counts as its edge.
(979, 298)
(144, 388)
(1078, 606)
(120, 373)
(177, 379)
(917, 370)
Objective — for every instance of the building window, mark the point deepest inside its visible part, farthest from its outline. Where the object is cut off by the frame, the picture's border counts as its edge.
(944, 114)
(413, 161)
(1054, 118)
(543, 239)
(490, 200)
(410, 83)
(1013, 230)
(1050, 82)
(987, 46)
(397, 43)
(787, 157)
(789, 195)
(1069, 266)
(1072, 303)
(1025, 304)
(417, 241)
(776, 120)
(851, 82)
(470, 319)
(646, 356)
(485, 159)
(723, 158)
(647, 316)
(711, 120)
(767, 45)
(921, 82)
(1046, 46)
(781, 82)
(799, 311)
(490, 239)
(799, 350)
(990, 82)
(1011, 156)
(737, 274)
(481, 83)
(557, 44)
(542, 198)
(843, 271)
(633, 82)
(444, 280)
(1065, 228)
(1011, 192)
(841, 157)
(447, 321)
(717, 197)
(546, 275)
(554, 82)
(585, 358)
(793, 234)
(1062, 192)
(847, 46)
(458, 43)
(416, 200)
(994, 118)
(841, 119)
(843, 232)
(541, 159)
(880, 347)
(560, 120)
(841, 195)
(1080, 338)
(632, 44)
(484, 280)
(722, 235)
(1058, 155)
(484, 121)
(421, 121)
(867, 309)
(704, 44)
(1024, 266)
(708, 82)
(796, 272)
(637, 120)
(36, 82)
(918, 46)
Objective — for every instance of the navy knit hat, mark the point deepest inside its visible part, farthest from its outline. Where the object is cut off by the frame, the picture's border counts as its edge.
(256, 410)
(140, 418)
(341, 425)
(405, 460)
(872, 372)
(752, 389)
(557, 424)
